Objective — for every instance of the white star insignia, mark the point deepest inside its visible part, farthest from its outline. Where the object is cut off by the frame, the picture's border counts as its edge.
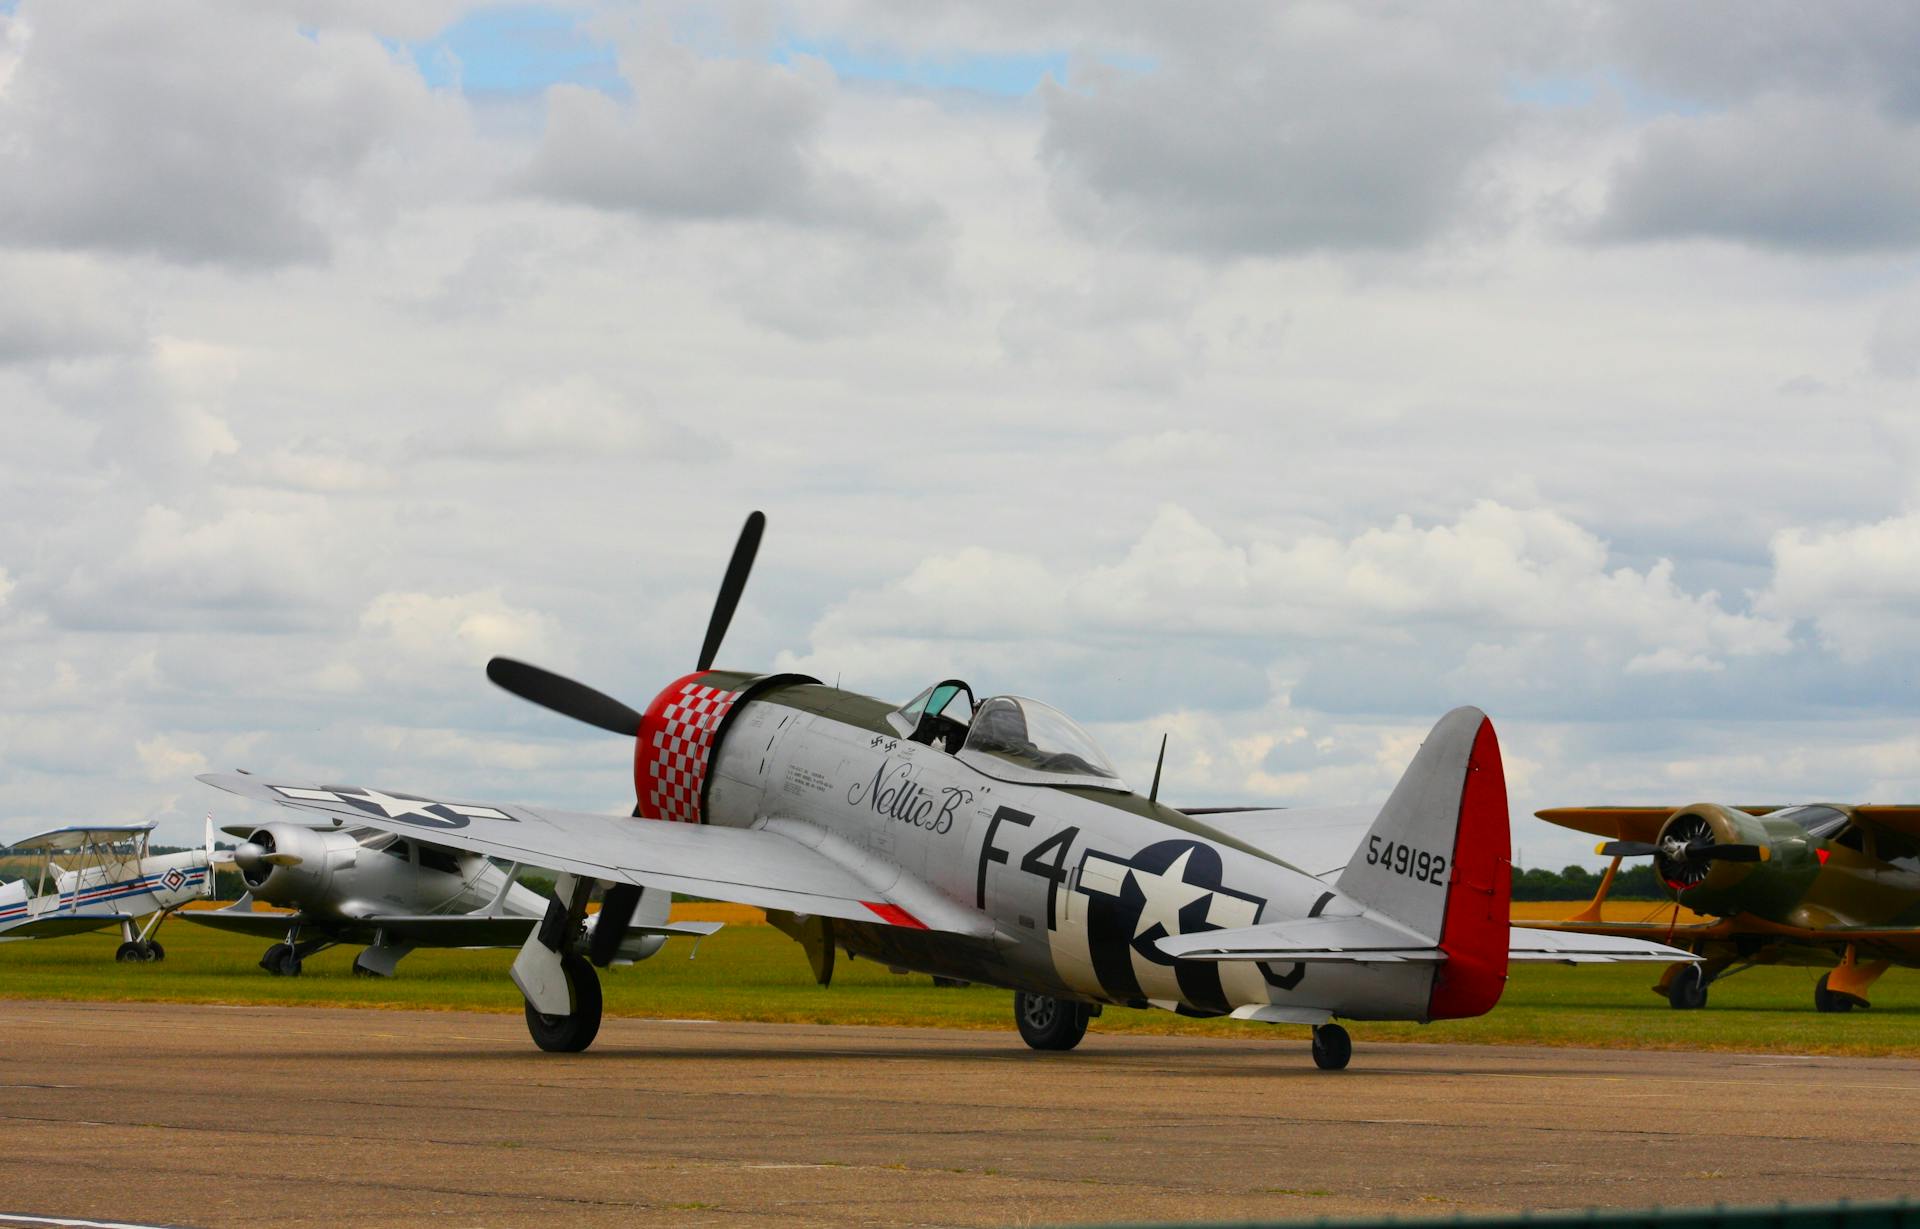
(394, 807)
(1166, 893)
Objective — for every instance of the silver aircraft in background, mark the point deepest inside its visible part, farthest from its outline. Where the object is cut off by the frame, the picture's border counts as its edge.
(351, 884)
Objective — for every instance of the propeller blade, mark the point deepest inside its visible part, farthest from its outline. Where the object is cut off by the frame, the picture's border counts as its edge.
(564, 696)
(1628, 849)
(731, 586)
(1731, 853)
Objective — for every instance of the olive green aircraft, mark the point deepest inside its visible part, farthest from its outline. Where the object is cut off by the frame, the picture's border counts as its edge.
(988, 839)
(1823, 885)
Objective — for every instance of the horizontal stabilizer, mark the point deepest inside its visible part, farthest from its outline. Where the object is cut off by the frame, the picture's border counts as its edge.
(1372, 940)
(1336, 940)
(1565, 947)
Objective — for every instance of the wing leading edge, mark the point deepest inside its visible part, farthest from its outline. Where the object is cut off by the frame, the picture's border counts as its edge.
(782, 865)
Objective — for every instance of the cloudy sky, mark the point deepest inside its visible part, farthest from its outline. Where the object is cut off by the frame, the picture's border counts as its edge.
(1276, 376)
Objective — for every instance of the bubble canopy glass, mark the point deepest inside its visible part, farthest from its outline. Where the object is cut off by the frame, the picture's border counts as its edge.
(1015, 739)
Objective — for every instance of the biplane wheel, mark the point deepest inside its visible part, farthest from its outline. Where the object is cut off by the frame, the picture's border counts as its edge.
(1048, 1023)
(1332, 1047)
(128, 953)
(1688, 989)
(572, 1033)
(155, 953)
(1827, 999)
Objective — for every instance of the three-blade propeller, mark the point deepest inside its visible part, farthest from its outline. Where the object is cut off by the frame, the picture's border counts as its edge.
(583, 703)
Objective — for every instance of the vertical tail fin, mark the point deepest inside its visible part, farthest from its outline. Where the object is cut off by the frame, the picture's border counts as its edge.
(1437, 859)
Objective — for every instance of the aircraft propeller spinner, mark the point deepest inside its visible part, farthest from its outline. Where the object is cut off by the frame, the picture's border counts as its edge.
(583, 703)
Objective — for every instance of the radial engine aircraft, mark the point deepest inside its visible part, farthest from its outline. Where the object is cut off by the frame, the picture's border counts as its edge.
(988, 839)
(395, 893)
(110, 879)
(1824, 885)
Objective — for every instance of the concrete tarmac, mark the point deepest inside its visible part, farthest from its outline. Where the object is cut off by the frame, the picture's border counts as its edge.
(262, 1116)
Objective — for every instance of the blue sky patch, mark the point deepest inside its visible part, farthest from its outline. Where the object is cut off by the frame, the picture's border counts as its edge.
(518, 50)
(1006, 74)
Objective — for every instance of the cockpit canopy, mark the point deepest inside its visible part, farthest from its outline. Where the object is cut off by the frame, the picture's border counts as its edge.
(1008, 738)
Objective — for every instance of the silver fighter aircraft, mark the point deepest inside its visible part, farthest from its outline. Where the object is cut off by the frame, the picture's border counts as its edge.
(988, 839)
(357, 884)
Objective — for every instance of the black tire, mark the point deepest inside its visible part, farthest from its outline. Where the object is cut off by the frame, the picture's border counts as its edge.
(1826, 999)
(127, 953)
(361, 970)
(155, 953)
(1688, 989)
(270, 961)
(1048, 1023)
(572, 1033)
(1332, 1047)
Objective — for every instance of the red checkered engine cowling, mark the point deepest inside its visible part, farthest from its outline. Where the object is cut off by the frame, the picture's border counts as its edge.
(676, 740)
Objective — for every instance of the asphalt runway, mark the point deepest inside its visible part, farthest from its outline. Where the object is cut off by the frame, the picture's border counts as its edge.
(260, 1116)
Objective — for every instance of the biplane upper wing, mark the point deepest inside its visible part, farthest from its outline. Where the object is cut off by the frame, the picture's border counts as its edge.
(1623, 823)
(1902, 819)
(67, 840)
(782, 865)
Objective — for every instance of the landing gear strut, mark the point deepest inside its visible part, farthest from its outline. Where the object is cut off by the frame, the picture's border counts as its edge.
(575, 1031)
(1047, 1023)
(1332, 1047)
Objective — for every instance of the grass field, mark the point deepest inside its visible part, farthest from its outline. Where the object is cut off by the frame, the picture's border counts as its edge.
(753, 972)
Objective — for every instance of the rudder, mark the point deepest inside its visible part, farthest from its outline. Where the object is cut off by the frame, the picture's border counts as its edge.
(1437, 860)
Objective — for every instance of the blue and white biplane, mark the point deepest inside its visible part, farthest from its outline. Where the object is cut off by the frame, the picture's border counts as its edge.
(100, 876)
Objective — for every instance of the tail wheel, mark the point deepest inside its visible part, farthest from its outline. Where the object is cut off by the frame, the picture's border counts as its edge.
(1688, 989)
(1827, 999)
(1048, 1023)
(1332, 1047)
(574, 1032)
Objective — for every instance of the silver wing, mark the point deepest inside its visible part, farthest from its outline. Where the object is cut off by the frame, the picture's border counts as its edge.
(782, 864)
(420, 930)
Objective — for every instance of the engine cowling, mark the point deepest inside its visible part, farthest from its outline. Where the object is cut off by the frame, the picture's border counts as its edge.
(284, 864)
(676, 743)
(1721, 861)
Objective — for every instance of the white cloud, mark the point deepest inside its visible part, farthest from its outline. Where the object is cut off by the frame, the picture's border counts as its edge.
(198, 131)
(164, 760)
(1858, 585)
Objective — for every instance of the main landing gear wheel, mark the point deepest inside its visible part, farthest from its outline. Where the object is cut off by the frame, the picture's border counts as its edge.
(1332, 1047)
(1688, 989)
(155, 953)
(573, 1033)
(281, 961)
(1047, 1023)
(361, 970)
(129, 953)
(1828, 999)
